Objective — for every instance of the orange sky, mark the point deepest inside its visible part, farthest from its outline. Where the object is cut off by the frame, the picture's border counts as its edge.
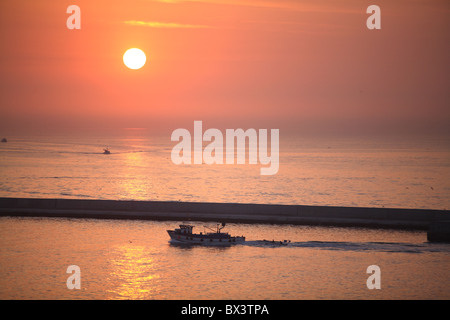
(241, 63)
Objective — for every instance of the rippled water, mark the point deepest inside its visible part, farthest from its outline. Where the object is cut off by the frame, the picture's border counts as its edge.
(313, 171)
(135, 260)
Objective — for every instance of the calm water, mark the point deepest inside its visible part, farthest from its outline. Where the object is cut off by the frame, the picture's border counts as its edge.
(336, 171)
(134, 259)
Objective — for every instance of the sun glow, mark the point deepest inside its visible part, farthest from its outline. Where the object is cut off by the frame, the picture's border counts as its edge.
(134, 58)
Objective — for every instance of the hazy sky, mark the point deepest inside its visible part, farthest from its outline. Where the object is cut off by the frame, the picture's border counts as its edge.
(286, 64)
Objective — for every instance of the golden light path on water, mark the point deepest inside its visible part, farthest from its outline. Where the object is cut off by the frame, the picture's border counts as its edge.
(122, 259)
(133, 272)
(329, 172)
(134, 260)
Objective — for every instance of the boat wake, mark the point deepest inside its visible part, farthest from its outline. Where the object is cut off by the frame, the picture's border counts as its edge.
(356, 246)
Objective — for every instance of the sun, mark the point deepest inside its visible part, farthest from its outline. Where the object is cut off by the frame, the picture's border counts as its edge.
(134, 58)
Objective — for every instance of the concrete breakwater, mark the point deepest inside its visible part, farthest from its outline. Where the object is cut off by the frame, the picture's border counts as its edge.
(439, 231)
(419, 219)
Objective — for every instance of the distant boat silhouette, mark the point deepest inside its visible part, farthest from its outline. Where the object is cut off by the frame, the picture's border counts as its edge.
(4, 140)
(106, 151)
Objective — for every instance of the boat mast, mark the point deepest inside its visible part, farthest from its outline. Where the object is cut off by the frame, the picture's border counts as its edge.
(218, 228)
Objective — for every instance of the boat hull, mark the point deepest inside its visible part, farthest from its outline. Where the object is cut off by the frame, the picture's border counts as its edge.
(203, 239)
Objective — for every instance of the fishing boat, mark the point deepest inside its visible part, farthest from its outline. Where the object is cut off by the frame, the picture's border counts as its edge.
(106, 151)
(4, 140)
(184, 234)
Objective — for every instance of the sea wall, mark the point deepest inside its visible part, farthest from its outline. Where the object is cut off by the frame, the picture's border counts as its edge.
(224, 212)
(439, 231)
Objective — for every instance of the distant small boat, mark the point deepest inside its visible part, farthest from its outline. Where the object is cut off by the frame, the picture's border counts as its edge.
(106, 151)
(4, 140)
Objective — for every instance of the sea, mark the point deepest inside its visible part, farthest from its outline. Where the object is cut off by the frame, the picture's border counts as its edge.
(134, 259)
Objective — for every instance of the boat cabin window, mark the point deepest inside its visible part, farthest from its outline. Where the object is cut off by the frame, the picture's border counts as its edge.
(186, 229)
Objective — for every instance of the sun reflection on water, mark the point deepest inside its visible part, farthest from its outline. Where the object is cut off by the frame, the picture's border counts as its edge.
(133, 272)
(136, 185)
